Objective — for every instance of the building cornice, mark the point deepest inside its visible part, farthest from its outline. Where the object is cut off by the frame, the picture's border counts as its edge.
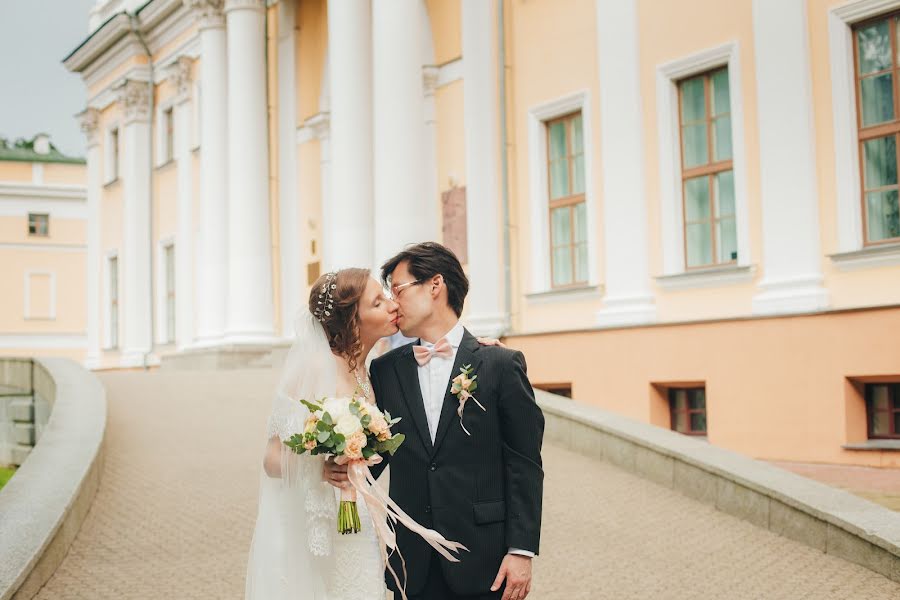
(18, 191)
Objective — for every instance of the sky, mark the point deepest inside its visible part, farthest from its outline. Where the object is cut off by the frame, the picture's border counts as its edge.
(37, 93)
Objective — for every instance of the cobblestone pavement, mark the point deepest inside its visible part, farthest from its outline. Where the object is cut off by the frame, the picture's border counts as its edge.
(176, 505)
(879, 485)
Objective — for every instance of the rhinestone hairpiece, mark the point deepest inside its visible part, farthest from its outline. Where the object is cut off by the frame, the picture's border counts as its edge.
(325, 302)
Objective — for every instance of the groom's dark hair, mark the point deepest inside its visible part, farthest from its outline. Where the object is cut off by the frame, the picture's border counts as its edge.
(428, 259)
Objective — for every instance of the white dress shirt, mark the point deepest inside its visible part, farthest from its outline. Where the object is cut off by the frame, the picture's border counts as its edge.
(434, 381)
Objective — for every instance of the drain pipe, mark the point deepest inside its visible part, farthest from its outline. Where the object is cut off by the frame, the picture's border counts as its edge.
(504, 163)
(135, 29)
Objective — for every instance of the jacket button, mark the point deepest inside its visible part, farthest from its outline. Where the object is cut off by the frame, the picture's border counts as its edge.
(427, 508)
(433, 467)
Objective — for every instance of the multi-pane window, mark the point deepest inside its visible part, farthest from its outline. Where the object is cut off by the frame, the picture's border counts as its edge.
(568, 212)
(169, 129)
(707, 171)
(687, 407)
(877, 67)
(38, 224)
(114, 154)
(170, 292)
(883, 410)
(113, 302)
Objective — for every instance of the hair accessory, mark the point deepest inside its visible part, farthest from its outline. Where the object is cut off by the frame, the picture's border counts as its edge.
(325, 303)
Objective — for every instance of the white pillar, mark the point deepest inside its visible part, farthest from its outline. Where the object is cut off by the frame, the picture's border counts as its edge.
(212, 260)
(628, 298)
(347, 228)
(90, 121)
(399, 113)
(291, 235)
(792, 272)
(136, 303)
(184, 242)
(486, 311)
(250, 309)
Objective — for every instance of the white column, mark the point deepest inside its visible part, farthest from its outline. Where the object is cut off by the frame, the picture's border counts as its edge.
(432, 226)
(250, 309)
(628, 298)
(399, 113)
(347, 234)
(90, 120)
(486, 311)
(212, 260)
(135, 259)
(792, 272)
(184, 242)
(291, 235)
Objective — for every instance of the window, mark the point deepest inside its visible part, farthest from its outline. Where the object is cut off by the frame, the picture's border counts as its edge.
(568, 211)
(169, 257)
(883, 410)
(113, 154)
(38, 224)
(169, 132)
(707, 170)
(113, 302)
(560, 389)
(687, 407)
(876, 44)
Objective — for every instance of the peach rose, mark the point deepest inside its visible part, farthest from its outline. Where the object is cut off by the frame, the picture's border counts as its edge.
(378, 424)
(354, 445)
(309, 444)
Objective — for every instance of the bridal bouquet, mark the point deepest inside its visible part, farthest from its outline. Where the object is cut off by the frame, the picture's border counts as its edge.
(353, 431)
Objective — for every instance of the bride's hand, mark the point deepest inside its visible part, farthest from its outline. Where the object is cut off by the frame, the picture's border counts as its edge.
(485, 341)
(335, 474)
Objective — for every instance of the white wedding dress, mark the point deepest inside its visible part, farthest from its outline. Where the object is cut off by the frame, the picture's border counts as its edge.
(296, 552)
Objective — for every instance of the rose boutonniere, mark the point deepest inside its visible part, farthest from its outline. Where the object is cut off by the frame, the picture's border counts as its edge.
(462, 387)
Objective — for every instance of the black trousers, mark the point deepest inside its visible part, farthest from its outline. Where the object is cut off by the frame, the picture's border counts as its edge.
(436, 587)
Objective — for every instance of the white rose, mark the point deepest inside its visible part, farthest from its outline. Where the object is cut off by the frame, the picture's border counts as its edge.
(347, 424)
(337, 408)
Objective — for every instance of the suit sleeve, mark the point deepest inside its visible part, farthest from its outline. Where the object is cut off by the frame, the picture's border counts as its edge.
(378, 469)
(522, 427)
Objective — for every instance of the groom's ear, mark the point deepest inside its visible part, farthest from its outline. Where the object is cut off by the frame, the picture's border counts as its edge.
(437, 282)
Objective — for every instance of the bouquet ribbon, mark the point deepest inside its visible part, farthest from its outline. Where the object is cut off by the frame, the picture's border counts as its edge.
(386, 514)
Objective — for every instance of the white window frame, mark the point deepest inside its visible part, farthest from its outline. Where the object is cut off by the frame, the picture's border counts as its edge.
(27, 308)
(851, 251)
(538, 116)
(162, 310)
(112, 161)
(107, 301)
(671, 195)
(162, 136)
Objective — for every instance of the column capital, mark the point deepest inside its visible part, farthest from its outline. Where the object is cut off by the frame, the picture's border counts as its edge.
(208, 12)
(134, 96)
(89, 119)
(179, 75)
(231, 5)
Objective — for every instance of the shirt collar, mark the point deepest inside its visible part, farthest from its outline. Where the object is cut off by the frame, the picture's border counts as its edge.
(454, 336)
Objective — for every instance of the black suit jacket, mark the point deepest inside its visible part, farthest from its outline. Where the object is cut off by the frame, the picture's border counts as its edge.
(483, 490)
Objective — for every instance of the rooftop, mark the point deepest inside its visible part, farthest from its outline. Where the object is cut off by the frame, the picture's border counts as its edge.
(37, 149)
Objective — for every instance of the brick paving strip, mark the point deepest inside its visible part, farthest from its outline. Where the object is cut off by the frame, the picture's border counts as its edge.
(177, 502)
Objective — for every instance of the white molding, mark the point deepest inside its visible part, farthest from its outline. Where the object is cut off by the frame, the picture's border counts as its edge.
(60, 248)
(50, 192)
(539, 194)
(37, 341)
(885, 255)
(671, 197)
(37, 173)
(316, 127)
(449, 72)
(195, 116)
(567, 295)
(708, 278)
(107, 300)
(27, 308)
(844, 113)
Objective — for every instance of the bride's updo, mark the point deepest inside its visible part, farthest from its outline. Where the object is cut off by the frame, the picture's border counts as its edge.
(344, 289)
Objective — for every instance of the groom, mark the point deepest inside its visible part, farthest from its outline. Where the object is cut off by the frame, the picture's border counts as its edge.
(482, 488)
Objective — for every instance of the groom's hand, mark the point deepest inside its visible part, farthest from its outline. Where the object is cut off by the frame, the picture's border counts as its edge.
(335, 474)
(516, 570)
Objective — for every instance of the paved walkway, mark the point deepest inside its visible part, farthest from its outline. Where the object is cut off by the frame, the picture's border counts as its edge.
(176, 507)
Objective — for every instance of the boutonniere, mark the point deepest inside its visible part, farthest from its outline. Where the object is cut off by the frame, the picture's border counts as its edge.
(462, 387)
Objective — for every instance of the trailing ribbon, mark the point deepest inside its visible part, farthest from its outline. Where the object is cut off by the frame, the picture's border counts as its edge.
(386, 514)
(464, 396)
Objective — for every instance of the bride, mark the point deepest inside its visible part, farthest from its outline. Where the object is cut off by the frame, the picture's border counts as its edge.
(295, 553)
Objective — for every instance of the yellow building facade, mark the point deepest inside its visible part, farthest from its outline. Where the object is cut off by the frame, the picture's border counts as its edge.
(43, 234)
(685, 212)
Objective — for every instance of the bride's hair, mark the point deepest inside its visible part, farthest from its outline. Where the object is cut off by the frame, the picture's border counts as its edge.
(342, 325)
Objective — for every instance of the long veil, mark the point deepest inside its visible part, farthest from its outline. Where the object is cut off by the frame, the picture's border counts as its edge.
(290, 555)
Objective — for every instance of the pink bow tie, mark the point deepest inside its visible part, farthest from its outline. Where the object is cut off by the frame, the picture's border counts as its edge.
(424, 354)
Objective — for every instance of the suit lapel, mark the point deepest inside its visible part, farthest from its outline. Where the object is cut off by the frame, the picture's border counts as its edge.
(407, 373)
(466, 355)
